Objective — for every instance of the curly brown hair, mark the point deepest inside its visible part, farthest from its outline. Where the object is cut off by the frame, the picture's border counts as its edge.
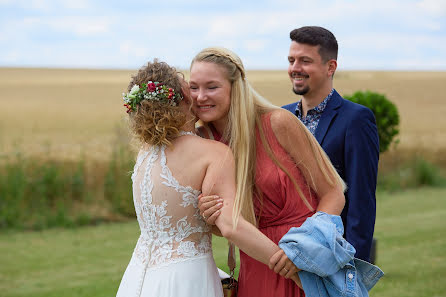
(153, 122)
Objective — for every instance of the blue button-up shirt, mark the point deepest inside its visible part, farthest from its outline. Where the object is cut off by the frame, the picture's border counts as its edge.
(313, 115)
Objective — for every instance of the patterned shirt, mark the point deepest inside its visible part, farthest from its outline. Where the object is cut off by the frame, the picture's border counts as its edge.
(313, 115)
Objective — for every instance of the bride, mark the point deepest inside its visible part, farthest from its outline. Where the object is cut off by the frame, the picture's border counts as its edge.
(173, 255)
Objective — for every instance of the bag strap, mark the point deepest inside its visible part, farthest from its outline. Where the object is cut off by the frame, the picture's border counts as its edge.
(231, 258)
(205, 132)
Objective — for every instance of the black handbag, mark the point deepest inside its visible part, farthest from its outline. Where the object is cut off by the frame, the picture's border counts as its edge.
(230, 284)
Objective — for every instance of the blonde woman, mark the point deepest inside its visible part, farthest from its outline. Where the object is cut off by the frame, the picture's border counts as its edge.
(282, 174)
(173, 255)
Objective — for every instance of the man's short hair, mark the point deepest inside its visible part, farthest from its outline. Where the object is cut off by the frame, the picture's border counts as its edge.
(314, 35)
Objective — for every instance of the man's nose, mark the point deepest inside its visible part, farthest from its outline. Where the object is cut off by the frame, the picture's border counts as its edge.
(295, 66)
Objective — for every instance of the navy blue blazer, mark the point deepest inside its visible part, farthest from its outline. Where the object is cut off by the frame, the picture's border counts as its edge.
(348, 134)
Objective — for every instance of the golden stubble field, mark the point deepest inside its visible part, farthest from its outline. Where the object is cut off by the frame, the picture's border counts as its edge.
(66, 112)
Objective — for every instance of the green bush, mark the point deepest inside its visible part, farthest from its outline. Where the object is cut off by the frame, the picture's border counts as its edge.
(428, 174)
(37, 193)
(414, 173)
(118, 183)
(386, 114)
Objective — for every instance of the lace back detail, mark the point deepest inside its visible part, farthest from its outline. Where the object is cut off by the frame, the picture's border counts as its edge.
(172, 229)
(182, 133)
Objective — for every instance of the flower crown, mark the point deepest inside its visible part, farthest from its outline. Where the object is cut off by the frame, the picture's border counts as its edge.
(154, 91)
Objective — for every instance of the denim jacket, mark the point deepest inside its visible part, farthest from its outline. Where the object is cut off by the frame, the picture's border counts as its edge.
(329, 268)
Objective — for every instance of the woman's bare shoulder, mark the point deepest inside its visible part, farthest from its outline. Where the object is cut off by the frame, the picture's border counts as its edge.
(211, 154)
(282, 121)
(208, 148)
(217, 148)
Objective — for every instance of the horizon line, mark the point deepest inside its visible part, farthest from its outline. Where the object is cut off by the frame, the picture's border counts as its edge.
(182, 69)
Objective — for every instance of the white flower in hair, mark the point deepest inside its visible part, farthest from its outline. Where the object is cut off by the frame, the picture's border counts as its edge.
(134, 90)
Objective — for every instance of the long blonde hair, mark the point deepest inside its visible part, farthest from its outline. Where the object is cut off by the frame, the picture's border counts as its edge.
(246, 109)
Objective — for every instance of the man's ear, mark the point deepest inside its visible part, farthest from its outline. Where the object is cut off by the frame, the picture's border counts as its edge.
(332, 65)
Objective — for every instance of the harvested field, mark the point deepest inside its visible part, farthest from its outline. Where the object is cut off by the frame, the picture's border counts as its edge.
(67, 112)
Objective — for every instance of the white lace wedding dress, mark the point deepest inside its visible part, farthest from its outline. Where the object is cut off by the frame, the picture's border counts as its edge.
(173, 255)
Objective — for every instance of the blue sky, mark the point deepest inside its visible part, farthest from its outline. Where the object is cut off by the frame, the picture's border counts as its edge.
(372, 35)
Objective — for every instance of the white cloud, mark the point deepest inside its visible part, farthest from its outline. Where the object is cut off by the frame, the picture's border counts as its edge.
(389, 42)
(229, 26)
(131, 48)
(75, 4)
(254, 45)
(48, 6)
(42, 5)
(80, 26)
(92, 27)
(436, 8)
(11, 57)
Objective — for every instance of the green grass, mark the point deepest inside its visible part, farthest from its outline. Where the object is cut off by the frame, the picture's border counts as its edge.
(411, 233)
(90, 261)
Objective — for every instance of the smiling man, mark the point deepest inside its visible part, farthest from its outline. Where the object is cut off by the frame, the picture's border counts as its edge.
(346, 131)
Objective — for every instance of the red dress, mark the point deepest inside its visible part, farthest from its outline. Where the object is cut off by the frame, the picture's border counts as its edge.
(280, 209)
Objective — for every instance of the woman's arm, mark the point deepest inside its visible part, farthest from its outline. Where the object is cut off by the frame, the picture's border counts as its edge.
(220, 180)
(304, 149)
